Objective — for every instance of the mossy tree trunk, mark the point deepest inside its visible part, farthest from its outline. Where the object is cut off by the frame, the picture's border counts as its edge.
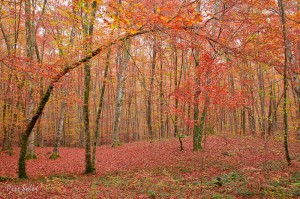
(30, 126)
(88, 28)
(196, 131)
(24, 136)
(285, 79)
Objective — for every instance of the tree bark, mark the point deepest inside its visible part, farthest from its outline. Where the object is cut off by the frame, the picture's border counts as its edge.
(29, 52)
(150, 93)
(122, 64)
(68, 67)
(100, 106)
(88, 28)
(196, 132)
(60, 129)
(285, 80)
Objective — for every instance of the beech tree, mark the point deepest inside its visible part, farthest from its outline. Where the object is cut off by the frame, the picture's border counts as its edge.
(287, 62)
(120, 71)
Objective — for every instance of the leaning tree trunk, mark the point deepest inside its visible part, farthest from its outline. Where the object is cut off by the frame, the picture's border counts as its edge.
(24, 136)
(100, 106)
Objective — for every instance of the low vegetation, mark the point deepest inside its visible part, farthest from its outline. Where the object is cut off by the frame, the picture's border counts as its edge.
(227, 167)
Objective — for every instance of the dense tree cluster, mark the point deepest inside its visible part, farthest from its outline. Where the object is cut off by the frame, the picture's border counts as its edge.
(84, 73)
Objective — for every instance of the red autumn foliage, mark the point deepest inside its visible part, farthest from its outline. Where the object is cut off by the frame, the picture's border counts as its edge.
(144, 160)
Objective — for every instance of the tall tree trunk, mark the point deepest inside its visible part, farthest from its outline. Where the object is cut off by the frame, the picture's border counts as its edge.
(296, 83)
(196, 132)
(29, 52)
(6, 99)
(161, 100)
(68, 67)
(100, 106)
(149, 98)
(136, 125)
(122, 59)
(271, 111)
(285, 80)
(234, 111)
(262, 96)
(88, 33)
(60, 129)
(87, 77)
(122, 64)
(5, 130)
(176, 85)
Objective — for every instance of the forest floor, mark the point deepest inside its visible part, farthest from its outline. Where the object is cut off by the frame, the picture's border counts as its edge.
(228, 167)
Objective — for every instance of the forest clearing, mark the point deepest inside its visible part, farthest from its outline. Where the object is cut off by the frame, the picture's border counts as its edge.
(150, 98)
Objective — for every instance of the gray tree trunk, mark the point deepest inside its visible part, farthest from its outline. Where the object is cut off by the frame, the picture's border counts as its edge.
(29, 52)
(122, 64)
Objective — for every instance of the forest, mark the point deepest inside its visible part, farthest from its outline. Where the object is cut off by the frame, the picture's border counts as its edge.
(150, 99)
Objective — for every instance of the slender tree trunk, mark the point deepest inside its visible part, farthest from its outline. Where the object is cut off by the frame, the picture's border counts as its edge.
(68, 67)
(271, 111)
(122, 63)
(251, 120)
(150, 92)
(100, 106)
(161, 101)
(176, 87)
(196, 132)
(262, 97)
(285, 80)
(6, 100)
(136, 115)
(5, 132)
(60, 129)
(13, 120)
(251, 110)
(234, 111)
(29, 52)
(296, 83)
